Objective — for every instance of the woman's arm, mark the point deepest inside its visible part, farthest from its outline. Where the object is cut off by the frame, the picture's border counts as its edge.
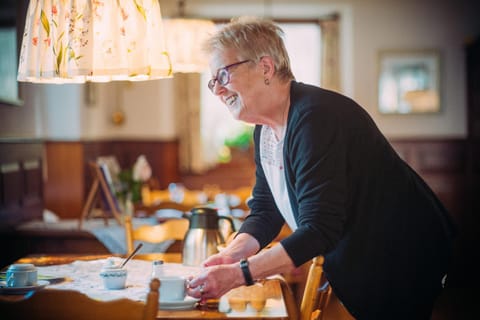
(242, 246)
(223, 272)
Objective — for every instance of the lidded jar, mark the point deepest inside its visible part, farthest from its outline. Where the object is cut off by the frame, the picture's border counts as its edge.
(114, 277)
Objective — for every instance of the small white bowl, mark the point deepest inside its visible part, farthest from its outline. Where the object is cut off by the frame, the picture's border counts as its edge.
(114, 278)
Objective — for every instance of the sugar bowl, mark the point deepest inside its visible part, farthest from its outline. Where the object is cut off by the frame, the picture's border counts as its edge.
(113, 275)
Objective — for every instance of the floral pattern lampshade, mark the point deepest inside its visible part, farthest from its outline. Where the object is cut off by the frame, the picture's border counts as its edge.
(73, 41)
(184, 38)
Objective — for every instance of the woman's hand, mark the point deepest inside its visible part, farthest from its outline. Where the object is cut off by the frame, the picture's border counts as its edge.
(222, 271)
(217, 259)
(215, 281)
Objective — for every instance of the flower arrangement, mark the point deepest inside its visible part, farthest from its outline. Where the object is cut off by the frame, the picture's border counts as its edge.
(131, 180)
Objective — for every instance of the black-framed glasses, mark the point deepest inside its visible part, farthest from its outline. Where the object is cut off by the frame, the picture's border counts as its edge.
(223, 75)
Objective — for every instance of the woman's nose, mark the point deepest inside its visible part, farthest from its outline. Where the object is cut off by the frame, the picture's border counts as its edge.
(218, 89)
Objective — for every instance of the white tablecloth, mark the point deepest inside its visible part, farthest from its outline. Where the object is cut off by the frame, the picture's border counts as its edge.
(84, 276)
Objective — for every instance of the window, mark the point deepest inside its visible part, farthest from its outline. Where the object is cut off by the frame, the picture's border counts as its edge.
(303, 43)
(8, 66)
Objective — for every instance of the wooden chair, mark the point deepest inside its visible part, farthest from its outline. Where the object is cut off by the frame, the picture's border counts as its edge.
(73, 305)
(289, 298)
(170, 229)
(150, 210)
(317, 292)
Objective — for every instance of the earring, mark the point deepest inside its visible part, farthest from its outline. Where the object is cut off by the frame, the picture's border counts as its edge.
(266, 81)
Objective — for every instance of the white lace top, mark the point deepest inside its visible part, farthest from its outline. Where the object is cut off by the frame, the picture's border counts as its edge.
(271, 157)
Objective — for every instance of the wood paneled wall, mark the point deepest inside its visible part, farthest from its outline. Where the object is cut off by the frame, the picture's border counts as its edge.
(21, 182)
(240, 172)
(66, 181)
(68, 177)
(442, 164)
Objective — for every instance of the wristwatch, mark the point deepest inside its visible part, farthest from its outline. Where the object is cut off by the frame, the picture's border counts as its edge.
(246, 272)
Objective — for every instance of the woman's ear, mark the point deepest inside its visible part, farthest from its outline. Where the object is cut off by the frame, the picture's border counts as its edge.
(268, 66)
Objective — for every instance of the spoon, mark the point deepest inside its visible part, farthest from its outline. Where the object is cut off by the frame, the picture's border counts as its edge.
(131, 255)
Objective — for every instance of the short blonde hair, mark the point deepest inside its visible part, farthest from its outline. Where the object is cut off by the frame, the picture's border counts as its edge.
(253, 38)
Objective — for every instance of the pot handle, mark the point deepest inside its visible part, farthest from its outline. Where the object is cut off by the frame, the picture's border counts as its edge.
(229, 220)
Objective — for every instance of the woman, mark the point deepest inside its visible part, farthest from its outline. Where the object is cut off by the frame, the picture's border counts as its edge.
(324, 168)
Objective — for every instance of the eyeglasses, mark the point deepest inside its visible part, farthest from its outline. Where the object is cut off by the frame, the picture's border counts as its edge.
(223, 75)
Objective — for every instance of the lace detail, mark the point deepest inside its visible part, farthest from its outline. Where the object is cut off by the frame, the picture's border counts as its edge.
(271, 148)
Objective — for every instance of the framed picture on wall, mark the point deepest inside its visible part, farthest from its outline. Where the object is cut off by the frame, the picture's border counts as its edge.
(409, 81)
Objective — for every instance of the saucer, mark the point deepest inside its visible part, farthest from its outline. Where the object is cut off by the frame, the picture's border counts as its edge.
(187, 303)
(21, 290)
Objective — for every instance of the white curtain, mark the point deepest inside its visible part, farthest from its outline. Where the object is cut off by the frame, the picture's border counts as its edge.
(330, 53)
(187, 110)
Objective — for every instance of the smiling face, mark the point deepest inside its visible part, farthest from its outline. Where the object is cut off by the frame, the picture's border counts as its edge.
(243, 93)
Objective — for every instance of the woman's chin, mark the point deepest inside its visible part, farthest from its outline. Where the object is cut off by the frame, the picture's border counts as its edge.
(235, 111)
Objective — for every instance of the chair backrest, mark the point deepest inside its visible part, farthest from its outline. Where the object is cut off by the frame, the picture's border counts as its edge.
(170, 229)
(289, 298)
(70, 304)
(151, 209)
(317, 292)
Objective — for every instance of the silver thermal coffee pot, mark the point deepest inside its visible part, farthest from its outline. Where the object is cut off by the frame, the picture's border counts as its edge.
(203, 235)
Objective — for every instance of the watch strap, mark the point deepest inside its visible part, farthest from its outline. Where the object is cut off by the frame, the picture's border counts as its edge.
(246, 272)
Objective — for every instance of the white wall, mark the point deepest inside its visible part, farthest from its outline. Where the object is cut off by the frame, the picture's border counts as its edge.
(148, 108)
(442, 25)
(367, 26)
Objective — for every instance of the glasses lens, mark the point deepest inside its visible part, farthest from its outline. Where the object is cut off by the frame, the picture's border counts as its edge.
(223, 77)
(211, 84)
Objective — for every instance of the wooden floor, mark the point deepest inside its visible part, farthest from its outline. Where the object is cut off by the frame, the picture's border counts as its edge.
(453, 304)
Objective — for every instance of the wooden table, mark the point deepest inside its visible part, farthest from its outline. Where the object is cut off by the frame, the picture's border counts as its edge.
(207, 311)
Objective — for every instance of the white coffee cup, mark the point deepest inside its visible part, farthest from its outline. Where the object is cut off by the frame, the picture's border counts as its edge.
(21, 275)
(173, 288)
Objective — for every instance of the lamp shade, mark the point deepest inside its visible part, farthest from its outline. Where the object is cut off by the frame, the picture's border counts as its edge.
(73, 41)
(184, 39)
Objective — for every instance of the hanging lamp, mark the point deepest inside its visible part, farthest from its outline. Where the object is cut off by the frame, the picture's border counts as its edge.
(184, 38)
(74, 41)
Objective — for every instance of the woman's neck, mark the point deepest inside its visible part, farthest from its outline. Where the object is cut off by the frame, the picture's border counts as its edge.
(280, 113)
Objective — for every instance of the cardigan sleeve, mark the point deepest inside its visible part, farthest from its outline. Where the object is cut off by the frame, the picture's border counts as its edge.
(316, 173)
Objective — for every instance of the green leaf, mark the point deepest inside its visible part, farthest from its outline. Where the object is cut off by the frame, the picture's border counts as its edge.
(45, 24)
(59, 58)
(141, 10)
(241, 140)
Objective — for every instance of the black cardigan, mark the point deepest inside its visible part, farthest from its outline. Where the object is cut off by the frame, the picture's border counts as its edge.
(355, 201)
